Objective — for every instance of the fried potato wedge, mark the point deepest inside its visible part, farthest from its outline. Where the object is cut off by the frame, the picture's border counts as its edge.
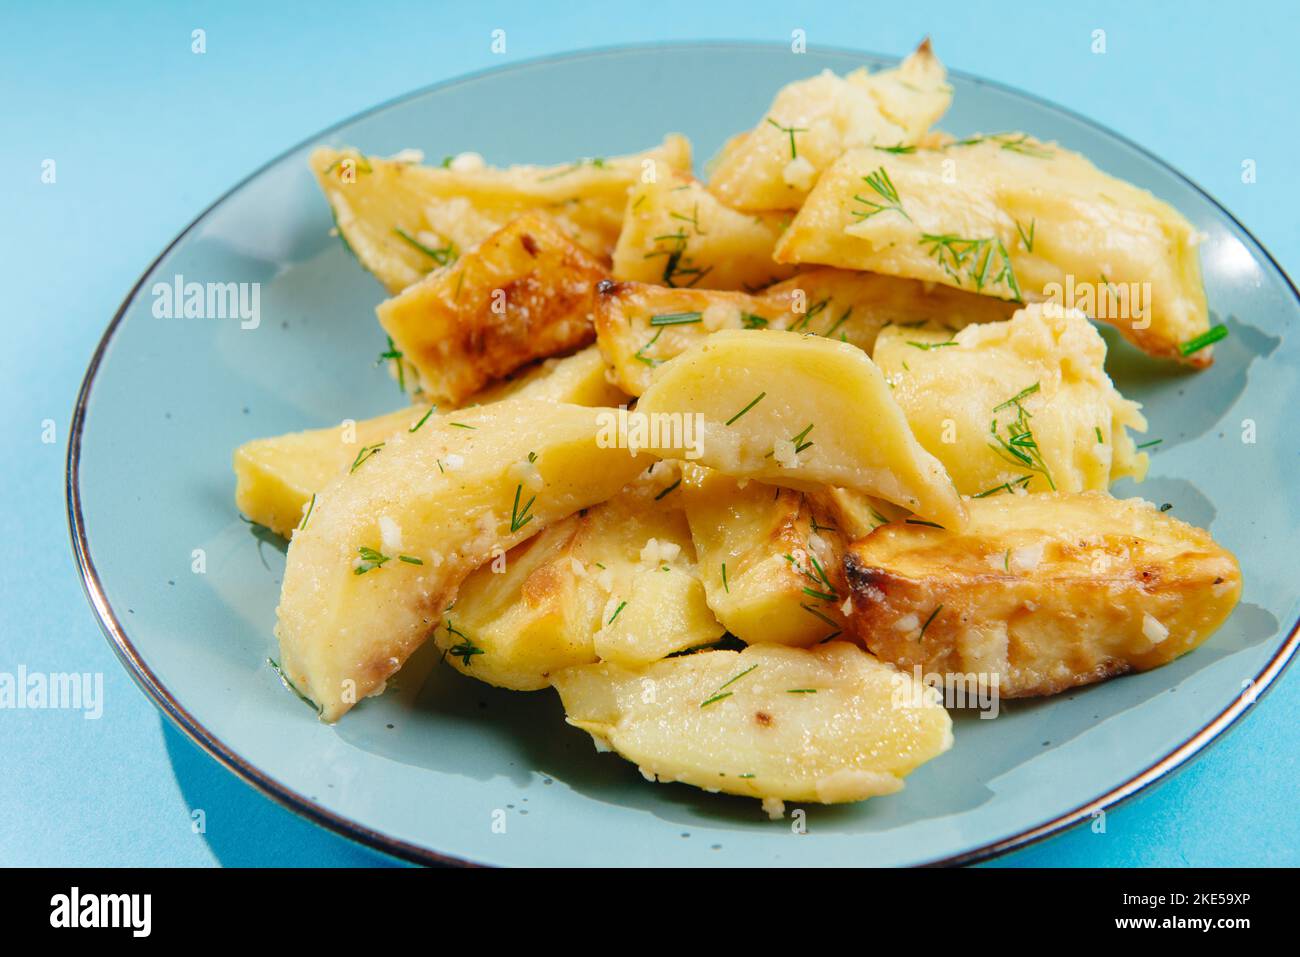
(801, 412)
(639, 327)
(524, 294)
(375, 565)
(616, 582)
(1011, 217)
(276, 477)
(812, 122)
(829, 724)
(677, 233)
(1042, 592)
(403, 220)
(770, 559)
(1022, 405)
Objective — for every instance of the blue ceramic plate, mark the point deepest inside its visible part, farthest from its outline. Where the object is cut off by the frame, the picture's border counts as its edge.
(421, 771)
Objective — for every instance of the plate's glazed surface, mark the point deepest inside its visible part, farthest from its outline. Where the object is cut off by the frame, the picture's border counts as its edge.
(187, 591)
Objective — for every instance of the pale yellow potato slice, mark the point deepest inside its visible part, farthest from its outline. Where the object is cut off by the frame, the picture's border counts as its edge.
(403, 220)
(524, 294)
(677, 233)
(812, 122)
(1023, 405)
(770, 559)
(800, 411)
(1041, 592)
(829, 724)
(617, 582)
(1011, 217)
(639, 326)
(276, 477)
(372, 570)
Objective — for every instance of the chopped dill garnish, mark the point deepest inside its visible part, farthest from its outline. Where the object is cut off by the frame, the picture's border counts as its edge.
(1204, 339)
(819, 595)
(395, 354)
(927, 346)
(1097, 429)
(898, 149)
(310, 505)
(758, 398)
(1007, 487)
(410, 559)
(442, 256)
(518, 519)
(1018, 397)
(284, 679)
(720, 694)
(1019, 447)
(801, 691)
(367, 451)
(725, 586)
(621, 606)
(462, 425)
(921, 521)
(1147, 445)
(921, 634)
(676, 318)
(649, 360)
(596, 162)
(1027, 239)
(839, 322)
(465, 649)
(424, 418)
(677, 263)
(798, 440)
(693, 219)
(668, 489)
(732, 681)
(973, 257)
(791, 130)
(751, 321)
(370, 559)
(883, 186)
(1021, 144)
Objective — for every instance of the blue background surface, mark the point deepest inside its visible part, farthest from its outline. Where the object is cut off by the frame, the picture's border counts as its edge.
(146, 133)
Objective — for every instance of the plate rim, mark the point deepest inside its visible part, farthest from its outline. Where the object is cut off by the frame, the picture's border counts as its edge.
(354, 830)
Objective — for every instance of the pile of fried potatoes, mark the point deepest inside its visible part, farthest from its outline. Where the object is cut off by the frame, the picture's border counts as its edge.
(741, 467)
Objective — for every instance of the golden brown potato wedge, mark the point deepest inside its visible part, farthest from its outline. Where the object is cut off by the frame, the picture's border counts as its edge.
(524, 294)
(372, 569)
(403, 220)
(1022, 405)
(639, 327)
(677, 233)
(276, 477)
(1012, 217)
(617, 582)
(799, 411)
(812, 122)
(829, 724)
(770, 559)
(1041, 592)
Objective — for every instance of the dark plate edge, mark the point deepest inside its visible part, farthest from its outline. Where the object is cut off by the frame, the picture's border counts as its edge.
(345, 827)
